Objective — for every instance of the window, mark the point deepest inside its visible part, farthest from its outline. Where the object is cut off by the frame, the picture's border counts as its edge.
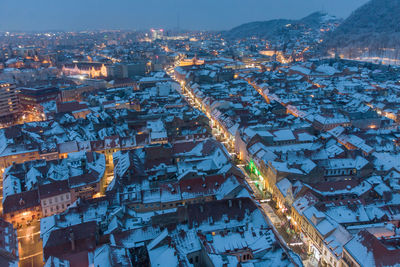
(55, 199)
(50, 201)
(44, 202)
(67, 197)
(61, 198)
(51, 209)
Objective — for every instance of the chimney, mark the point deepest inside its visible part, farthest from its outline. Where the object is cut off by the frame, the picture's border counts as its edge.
(72, 239)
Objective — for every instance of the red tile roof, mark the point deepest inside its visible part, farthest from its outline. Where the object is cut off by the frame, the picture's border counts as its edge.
(71, 106)
(381, 254)
(59, 243)
(79, 259)
(53, 189)
(21, 201)
(84, 179)
(204, 184)
(183, 147)
(201, 212)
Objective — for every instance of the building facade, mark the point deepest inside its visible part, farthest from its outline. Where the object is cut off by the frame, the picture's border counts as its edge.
(9, 104)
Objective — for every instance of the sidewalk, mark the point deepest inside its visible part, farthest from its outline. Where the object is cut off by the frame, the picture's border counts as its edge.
(312, 262)
(280, 222)
(250, 181)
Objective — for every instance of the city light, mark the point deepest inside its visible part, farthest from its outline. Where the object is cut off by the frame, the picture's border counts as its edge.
(282, 133)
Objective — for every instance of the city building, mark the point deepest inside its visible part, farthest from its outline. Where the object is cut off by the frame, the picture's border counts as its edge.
(8, 244)
(9, 103)
(157, 34)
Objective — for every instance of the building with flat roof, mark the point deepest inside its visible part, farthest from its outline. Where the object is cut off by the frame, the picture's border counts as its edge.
(157, 34)
(9, 103)
(33, 97)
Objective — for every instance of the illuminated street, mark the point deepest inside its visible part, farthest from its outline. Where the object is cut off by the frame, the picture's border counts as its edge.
(30, 245)
(279, 222)
(203, 133)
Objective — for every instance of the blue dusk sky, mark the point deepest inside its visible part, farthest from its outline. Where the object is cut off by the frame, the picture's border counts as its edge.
(42, 15)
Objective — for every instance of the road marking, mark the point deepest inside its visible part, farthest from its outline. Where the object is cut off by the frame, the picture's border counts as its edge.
(31, 256)
(29, 235)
